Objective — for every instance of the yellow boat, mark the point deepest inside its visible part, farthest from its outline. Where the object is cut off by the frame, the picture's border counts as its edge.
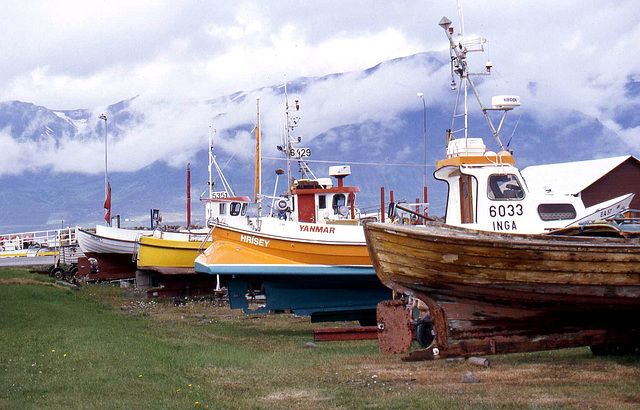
(174, 253)
(170, 253)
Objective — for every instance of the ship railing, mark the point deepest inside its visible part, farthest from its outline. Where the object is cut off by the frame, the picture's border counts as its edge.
(38, 239)
(213, 225)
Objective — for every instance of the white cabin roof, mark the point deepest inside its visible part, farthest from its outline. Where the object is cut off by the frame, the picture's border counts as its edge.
(569, 178)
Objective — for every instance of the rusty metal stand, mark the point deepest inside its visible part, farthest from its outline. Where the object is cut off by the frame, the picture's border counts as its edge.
(395, 327)
(329, 334)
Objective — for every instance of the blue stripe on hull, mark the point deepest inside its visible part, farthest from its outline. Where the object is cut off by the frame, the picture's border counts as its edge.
(329, 270)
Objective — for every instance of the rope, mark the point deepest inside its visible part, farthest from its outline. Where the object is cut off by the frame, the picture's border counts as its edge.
(357, 163)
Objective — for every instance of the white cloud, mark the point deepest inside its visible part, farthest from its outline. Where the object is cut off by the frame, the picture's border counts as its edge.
(177, 55)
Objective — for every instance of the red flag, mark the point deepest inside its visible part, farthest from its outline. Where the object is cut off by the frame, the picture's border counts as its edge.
(107, 205)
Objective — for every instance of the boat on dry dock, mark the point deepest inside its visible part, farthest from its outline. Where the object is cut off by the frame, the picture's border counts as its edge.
(308, 255)
(317, 269)
(528, 288)
(173, 252)
(169, 253)
(112, 248)
(490, 292)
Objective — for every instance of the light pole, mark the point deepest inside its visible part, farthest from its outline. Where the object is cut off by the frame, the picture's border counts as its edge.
(106, 174)
(424, 138)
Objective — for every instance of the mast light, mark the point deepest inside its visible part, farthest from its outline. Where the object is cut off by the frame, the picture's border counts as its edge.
(445, 23)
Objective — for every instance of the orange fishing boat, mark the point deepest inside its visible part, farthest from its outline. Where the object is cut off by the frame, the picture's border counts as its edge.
(308, 255)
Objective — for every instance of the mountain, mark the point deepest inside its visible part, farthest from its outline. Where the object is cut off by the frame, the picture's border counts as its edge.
(370, 119)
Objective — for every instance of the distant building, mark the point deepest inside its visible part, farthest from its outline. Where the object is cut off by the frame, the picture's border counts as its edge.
(594, 181)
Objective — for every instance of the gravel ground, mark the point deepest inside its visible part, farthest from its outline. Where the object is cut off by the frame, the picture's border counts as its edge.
(28, 261)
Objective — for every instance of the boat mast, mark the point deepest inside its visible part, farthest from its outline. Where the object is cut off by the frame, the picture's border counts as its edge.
(466, 90)
(189, 196)
(214, 164)
(460, 17)
(258, 181)
(211, 161)
(458, 49)
(291, 122)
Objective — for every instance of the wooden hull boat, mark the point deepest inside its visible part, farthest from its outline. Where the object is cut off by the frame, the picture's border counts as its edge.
(496, 293)
(113, 249)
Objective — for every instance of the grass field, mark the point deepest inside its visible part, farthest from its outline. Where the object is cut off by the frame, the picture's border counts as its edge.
(106, 347)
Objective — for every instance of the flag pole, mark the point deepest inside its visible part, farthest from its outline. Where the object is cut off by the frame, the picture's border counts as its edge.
(107, 188)
(189, 196)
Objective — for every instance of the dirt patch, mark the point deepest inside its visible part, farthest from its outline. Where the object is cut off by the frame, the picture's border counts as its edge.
(559, 382)
(295, 398)
(22, 281)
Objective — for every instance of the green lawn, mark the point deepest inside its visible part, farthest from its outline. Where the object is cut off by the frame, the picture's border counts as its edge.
(106, 347)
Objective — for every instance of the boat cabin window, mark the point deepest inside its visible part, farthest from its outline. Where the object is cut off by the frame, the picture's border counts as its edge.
(237, 208)
(223, 208)
(341, 204)
(322, 201)
(504, 187)
(556, 212)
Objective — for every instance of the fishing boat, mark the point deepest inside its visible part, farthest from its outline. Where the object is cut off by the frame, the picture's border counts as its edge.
(491, 293)
(510, 269)
(169, 253)
(173, 253)
(308, 255)
(112, 248)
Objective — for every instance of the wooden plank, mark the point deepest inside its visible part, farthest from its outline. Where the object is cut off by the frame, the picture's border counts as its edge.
(329, 334)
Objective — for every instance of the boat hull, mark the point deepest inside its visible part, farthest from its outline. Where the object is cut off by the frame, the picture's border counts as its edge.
(113, 249)
(324, 277)
(482, 286)
(248, 248)
(170, 256)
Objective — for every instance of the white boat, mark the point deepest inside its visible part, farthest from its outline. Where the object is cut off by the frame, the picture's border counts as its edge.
(487, 192)
(113, 249)
(485, 189)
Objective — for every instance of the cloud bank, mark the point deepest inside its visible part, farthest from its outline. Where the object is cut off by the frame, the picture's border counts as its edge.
(180, 55)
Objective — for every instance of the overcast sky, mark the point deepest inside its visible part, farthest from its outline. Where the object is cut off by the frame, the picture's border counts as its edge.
(65, 55)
